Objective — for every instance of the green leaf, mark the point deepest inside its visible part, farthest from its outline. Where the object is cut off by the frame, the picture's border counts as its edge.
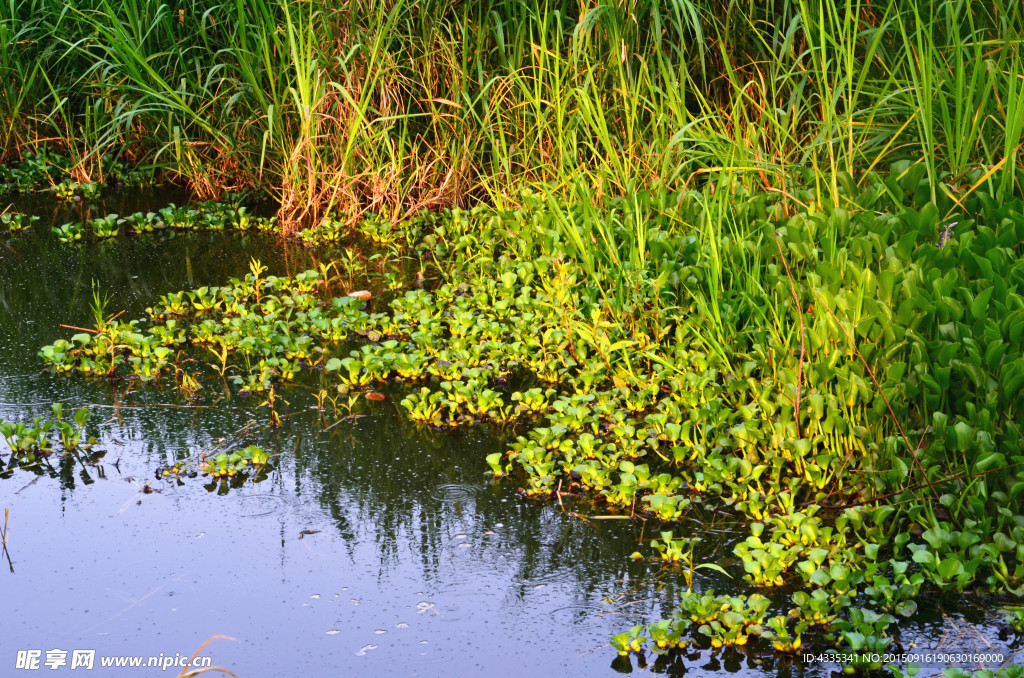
(961, 436)
(980, 304)
(818, 555)
(990, 461)
(821, 578)
(924, 557)
(907, 608)
(856, 640)
(712, 566)
(949, 568)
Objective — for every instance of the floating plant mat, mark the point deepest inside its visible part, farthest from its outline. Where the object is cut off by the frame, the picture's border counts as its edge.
(488, 362)
(358, 516)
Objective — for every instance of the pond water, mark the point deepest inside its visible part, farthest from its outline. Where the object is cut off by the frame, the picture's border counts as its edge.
(374, 547)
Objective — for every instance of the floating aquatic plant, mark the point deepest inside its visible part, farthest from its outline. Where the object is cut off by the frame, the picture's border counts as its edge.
(31, 442)
(229, 464)
(205, 216)
(16, 222)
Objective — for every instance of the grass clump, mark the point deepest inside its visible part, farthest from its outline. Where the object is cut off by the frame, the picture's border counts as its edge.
(396, 105)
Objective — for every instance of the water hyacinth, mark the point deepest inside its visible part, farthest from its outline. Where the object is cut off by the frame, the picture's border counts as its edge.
(201, 216)
(16, 222)
(647, 415)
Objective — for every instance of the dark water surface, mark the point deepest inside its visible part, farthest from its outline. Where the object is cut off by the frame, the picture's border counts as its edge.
(420, 565)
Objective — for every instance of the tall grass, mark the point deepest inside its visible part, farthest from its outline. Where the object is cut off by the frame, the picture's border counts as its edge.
(394, 105)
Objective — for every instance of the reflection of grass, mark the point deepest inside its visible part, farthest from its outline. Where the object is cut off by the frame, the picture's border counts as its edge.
(3, 536)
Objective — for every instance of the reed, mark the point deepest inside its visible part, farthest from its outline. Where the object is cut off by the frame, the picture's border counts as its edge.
(398, 105)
